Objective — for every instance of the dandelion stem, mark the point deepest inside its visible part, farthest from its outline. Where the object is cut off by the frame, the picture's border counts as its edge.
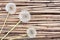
(4, 22)
(10, 31)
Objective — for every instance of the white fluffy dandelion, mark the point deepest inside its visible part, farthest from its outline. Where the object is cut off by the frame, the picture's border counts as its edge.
(31, 32)
(24, 16)
(10, 8)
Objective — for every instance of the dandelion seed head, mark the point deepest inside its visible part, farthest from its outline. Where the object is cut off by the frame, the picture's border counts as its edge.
(10, 8)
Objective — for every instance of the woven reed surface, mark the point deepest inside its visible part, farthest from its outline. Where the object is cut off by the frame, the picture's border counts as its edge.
(45, 17)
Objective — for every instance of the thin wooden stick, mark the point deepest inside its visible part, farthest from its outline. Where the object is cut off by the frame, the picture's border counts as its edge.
(4, 22)
(10, 31)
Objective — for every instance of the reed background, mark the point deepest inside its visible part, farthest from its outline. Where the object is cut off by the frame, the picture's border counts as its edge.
(45, 17)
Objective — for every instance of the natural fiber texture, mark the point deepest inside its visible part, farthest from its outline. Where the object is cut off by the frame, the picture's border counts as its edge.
(45, 18)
